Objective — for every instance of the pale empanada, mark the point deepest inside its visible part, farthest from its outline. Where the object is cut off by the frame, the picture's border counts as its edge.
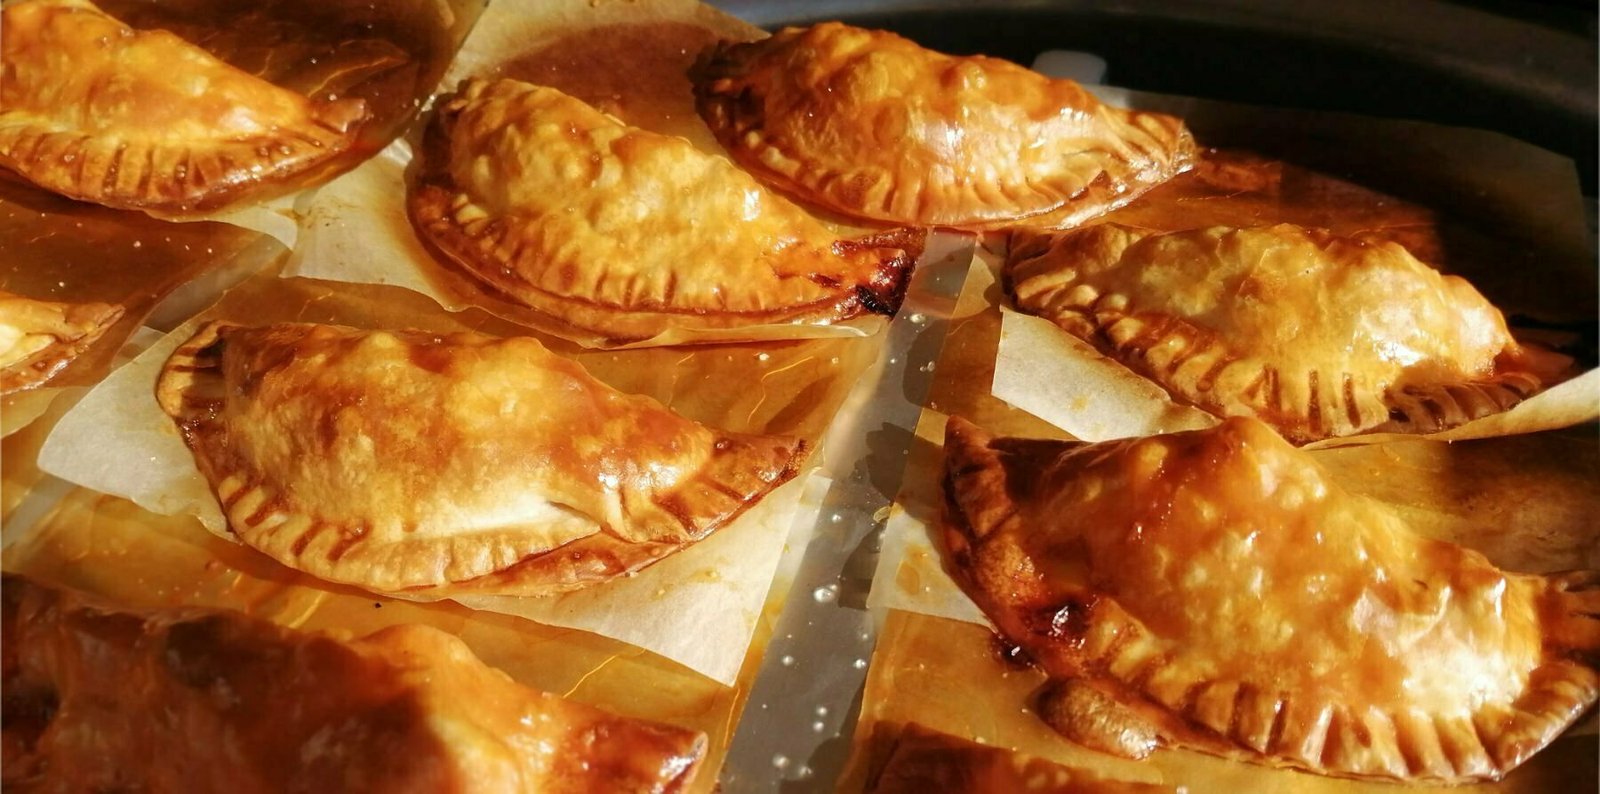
(1316, 334)
(874, 126)
(450, 464)
(141, 119)
(1217, 589)
(39, 338)
(925, 761)
(101, 699)
(625, 233)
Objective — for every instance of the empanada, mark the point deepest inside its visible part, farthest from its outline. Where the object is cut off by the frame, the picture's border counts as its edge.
(626, 233)
(97, 111)
(870, 124)
(925, 761)
(101, 699)
(450, 464)
(39, 338)
(1218, 590)
(1316, 334)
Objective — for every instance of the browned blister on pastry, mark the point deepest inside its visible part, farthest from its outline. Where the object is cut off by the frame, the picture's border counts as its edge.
(450, 464)
(1317, 334)
(924, 761)
(626, 233)
(98, 699)
(141, 119)
(870, 124)
(1221, 586)
(39, 338)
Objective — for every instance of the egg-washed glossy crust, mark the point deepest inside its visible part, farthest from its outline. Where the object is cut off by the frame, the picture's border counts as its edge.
(141, 119)
(99, 698)
(1317, 334)
(627, 233)
(39, 338)
(1218, 588)
(869, 124)
(450, 464)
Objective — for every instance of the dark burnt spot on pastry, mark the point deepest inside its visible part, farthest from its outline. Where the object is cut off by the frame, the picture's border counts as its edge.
(1009, 654)
(434, 357)
(1067, 621)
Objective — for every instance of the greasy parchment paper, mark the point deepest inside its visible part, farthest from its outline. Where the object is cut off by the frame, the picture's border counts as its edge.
(1065, 381)
(629, 59)
(1526, 501)
(53, 249)
(698, 607)
(389, 54)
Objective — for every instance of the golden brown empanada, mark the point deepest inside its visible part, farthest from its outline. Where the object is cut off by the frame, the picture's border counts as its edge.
(872, 125)
(39, 338)
(1217, 589)
(925, 761)
(97, 111)
(450, 464)
(1316, 334)
(98, 699)
(626, 233)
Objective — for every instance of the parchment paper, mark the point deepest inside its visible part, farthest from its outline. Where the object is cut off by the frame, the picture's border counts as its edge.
(698, 608)
(1063, 380)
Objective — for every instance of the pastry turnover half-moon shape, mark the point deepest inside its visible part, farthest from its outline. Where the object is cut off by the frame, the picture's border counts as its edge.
(101, 699)
(1217, 590)
(625, 233)
(38, 338)
(870, 124)
(141, 119)
(1316, 334)
(450, 464)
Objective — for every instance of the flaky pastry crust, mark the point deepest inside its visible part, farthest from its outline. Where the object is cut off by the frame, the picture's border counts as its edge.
(627, 233)
(1317, 334)
(450, 464)
(141, 119)
(102, 699)
(39, 338)
(870, 124)
(1220, 587)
